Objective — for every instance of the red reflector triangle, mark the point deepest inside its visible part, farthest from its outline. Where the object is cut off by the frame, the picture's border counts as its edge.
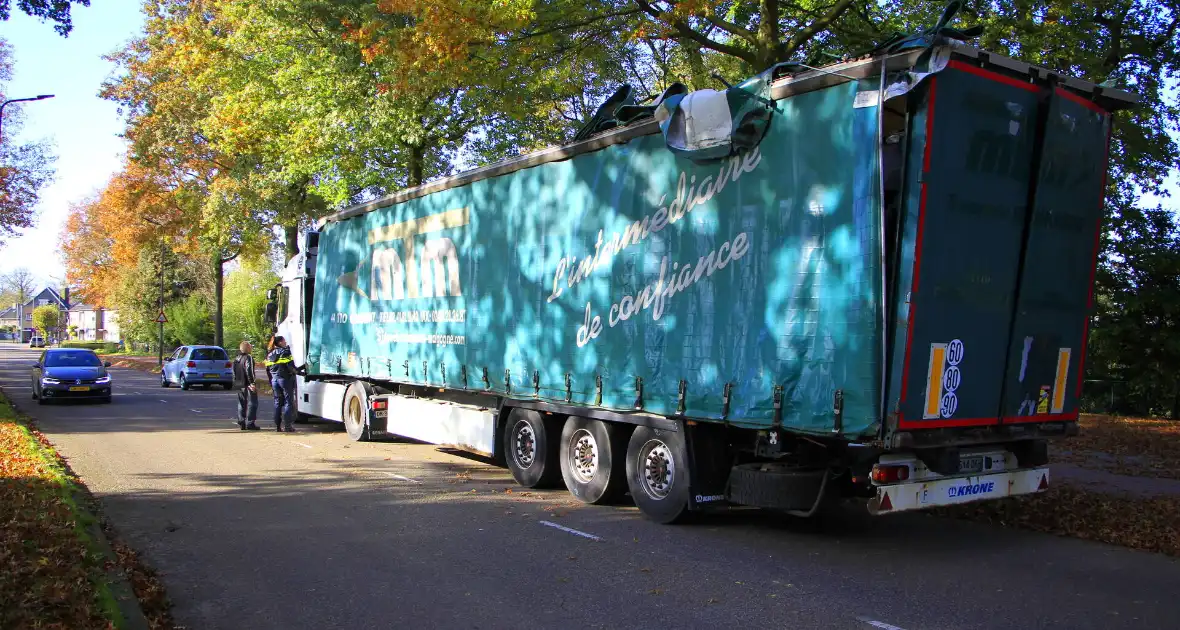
(886, 504)
(1044, 483)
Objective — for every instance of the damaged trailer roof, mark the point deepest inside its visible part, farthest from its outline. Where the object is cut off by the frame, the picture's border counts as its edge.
(1110, 99)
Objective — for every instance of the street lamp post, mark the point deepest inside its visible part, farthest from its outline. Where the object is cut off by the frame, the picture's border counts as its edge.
(39, 97)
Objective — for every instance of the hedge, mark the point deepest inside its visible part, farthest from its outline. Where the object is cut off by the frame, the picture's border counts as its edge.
(98, 346)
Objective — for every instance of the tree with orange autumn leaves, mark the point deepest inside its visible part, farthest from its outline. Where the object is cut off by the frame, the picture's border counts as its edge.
(260, 116)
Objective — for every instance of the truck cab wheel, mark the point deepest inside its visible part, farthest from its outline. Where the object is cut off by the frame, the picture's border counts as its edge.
(531, 446)
(658, 473)
(593, 459)
(356, 413)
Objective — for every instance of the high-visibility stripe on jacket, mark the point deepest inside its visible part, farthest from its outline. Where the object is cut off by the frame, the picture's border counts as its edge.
(279, 362)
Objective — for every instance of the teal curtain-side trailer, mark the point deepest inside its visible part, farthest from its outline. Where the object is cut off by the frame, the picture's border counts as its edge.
(867, 303)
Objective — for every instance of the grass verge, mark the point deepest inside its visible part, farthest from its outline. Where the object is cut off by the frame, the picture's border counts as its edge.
(55, 568)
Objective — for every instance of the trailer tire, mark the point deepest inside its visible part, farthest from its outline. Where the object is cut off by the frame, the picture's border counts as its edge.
(658, 473)
(593, 457)
(356, 412)
(774, 486)
(531, 445)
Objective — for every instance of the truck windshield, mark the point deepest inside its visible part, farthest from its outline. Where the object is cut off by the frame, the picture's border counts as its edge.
(80, 358)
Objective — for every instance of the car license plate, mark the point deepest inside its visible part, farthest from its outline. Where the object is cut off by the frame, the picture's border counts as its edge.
(80, 389)
(971, 464)
(210, 376)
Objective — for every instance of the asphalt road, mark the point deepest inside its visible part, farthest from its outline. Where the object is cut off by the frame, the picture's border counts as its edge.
(309, 530)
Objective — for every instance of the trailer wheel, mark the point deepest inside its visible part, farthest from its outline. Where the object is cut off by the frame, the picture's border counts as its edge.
(356, 412)
(658, 473)
(531, 449)
(593, 459)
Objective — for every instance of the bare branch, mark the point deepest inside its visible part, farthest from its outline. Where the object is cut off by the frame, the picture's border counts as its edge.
(732, 29)
(805, 35)
(689, 33)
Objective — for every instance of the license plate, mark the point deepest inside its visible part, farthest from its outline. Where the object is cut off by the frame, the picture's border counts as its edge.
(79, 389)
(381, 413)
(971, 464)
(210, 376)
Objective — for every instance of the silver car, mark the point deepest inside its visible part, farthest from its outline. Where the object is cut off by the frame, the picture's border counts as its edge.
(198, 365)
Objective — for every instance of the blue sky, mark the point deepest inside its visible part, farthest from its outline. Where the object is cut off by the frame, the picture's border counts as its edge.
(82, 127)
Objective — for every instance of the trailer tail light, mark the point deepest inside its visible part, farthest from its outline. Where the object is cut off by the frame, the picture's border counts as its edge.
(191, 364)
(380, 404)
(890, 473)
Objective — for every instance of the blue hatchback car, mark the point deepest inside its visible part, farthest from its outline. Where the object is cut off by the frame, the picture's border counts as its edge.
(198, 365)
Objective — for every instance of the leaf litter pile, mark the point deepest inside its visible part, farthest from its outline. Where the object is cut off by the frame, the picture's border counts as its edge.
(1143, 447)
(52, 574)
(1136, 447)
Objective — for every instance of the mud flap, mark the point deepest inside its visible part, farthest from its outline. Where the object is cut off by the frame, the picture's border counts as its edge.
(708, 455)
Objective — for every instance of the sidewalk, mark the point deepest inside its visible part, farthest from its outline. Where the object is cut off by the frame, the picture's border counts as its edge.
(1113, 483)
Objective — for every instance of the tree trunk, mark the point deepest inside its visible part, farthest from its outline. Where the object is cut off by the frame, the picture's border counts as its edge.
(1176, 402)
(768, 34)
(291, 240)
(218, 294)
(698, 76)
(417, 165)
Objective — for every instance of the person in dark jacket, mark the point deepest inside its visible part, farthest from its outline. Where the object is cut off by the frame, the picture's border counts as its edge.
(247, 389)
(280, 365)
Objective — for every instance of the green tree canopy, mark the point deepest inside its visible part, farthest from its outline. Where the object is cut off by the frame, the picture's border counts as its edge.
(55, 11)
(46, 319)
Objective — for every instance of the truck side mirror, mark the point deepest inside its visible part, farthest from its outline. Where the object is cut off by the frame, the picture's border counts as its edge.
(272, 312)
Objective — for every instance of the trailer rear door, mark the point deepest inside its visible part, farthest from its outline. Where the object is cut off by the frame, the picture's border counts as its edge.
(1008, 211)
(1047, 349)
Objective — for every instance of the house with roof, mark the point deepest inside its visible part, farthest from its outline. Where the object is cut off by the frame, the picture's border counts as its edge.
(93, 323)
(21, 315)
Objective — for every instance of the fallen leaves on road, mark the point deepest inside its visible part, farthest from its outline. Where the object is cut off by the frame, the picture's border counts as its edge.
(51, 576)
(1151, 524)
(1147, 447)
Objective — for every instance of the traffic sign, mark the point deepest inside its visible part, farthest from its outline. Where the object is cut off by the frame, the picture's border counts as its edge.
(161, 318)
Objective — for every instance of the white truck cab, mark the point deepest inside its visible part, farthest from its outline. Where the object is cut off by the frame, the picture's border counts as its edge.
(292, 316)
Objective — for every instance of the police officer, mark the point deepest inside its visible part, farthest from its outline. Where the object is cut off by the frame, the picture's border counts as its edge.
(280, 366)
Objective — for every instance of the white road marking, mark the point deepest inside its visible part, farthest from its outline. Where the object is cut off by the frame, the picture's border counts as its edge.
(195, 410)
(302, 444)
(879, 624)
(399, 477)
(575, 532)
(163, 401)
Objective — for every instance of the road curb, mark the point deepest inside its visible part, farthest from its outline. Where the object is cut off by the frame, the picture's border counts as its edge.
(124, 593)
